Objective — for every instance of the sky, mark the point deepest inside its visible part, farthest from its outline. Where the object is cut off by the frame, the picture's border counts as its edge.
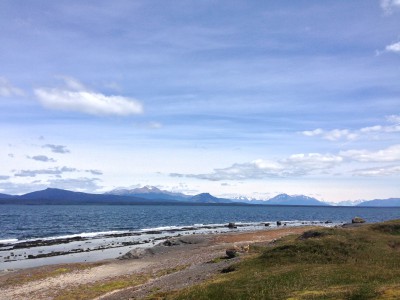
(251, 98)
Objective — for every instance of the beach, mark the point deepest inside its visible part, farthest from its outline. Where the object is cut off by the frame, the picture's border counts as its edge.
(172, 264)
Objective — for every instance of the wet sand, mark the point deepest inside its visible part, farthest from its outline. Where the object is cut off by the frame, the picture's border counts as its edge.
(173, 264)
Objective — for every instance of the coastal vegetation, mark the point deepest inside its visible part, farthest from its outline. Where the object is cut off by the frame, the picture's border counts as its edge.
(360, 262)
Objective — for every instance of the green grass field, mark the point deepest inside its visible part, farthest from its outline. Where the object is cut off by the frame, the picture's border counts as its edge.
(340, 263)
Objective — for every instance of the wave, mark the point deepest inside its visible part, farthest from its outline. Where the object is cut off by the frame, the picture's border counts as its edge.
(165, 229)
(8, 241)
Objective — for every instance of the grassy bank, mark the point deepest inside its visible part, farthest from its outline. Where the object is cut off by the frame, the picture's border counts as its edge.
(340, 263)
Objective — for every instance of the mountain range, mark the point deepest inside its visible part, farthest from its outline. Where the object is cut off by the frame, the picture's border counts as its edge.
(153, 195)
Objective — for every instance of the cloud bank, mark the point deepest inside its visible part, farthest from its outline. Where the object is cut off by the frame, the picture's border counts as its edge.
(301, 164)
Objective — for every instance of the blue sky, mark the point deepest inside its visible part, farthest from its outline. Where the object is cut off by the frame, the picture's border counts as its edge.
(247, 98)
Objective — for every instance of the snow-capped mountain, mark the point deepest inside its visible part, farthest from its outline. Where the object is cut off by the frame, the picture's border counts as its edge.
(149, 192)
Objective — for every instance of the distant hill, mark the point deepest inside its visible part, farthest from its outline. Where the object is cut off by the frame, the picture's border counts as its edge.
(153, 195)
(59, 196)
(6, 196)
(285, 199)
(208, 198)
(150, 192)
(381, 202)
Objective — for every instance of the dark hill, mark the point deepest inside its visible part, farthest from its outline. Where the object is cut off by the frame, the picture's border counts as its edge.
(59, 196)
(208, 198)
(391, 202)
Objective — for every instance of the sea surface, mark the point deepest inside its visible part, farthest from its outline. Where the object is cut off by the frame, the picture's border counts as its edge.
(22, 222)
(36, 235)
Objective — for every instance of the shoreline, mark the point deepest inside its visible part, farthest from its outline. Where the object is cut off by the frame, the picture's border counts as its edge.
(178, 260)
(93, 247)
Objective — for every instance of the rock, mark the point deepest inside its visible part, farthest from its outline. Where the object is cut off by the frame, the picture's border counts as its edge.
(245, 248)
(185, 240)
(171, 242)
(357, 220)
(278, 223)
(136, 254)
(266, 224)
(232, 225)
(328, 222)
(231, 253)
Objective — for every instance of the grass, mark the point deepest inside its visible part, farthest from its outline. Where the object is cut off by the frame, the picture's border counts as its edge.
(91, 291)
(341, 263)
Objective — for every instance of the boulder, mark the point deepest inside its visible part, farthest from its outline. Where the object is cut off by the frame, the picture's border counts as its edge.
(266, 224)
(231, 253)
(357, 220)
(232, 225)
(278, 223)
(136, 254)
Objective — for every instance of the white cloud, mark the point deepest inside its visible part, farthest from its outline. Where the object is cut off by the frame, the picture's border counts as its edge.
(389, 6)
(294, 166)
(75, 97)
(315, 132)
(332, 135)
(51, 171)
(390, 154)
(8, 90)
(393, 119)
(349, 135)
(378, 171)
(393, 47)
(338, 134)
(14, 188)
(81, 184)
(313, 161)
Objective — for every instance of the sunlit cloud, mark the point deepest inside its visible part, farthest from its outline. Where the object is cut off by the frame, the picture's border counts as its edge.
(349, 135)
(76, 97)
(393, 47)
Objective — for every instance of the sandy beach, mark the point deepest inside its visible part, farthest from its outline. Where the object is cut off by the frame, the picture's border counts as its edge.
(173, 264)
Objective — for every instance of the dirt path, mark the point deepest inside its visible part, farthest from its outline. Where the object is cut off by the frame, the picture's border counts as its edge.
(190, 263)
